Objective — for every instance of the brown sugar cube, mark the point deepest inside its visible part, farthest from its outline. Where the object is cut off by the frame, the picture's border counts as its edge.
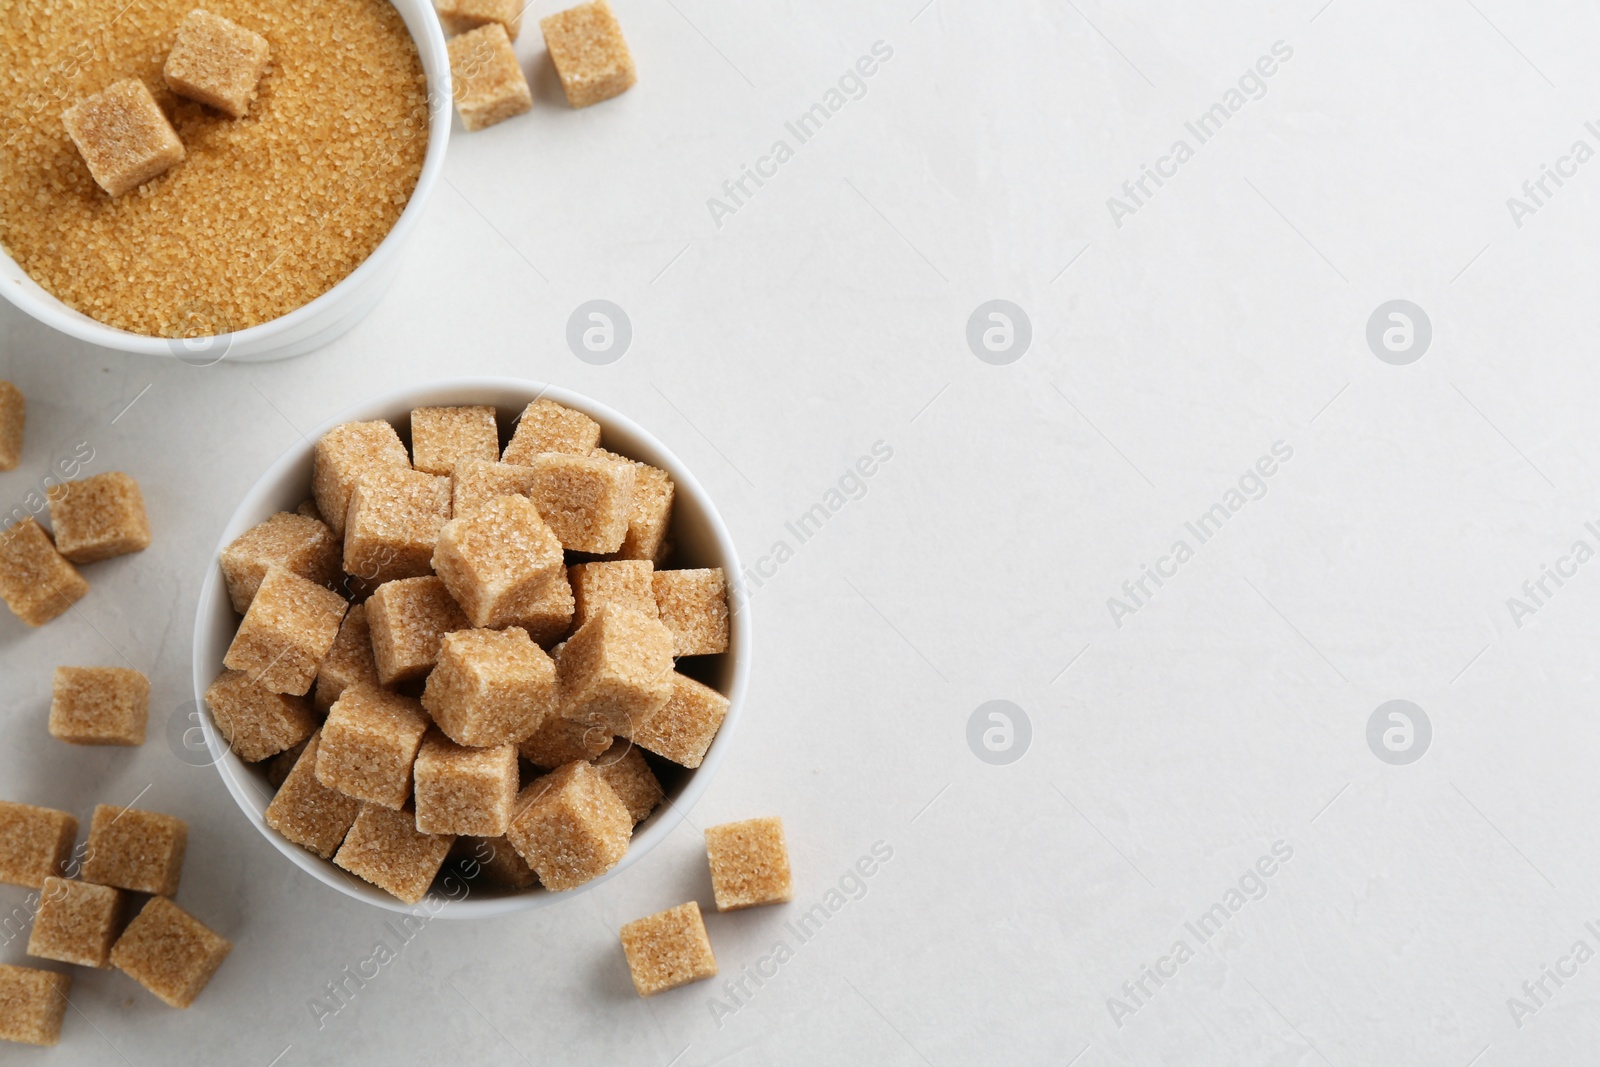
(298, 544)
(749, 863)
(35, 843)
(392, 524)
(369, 744)
(625, 583)
(99, 705)
(489, 84)
(497, 560)
(279, 766)
(694, 606)
(217, 62)
(461, 16)
(308, 508)
(497, 861)
(13, 415)
(123, 136)
(386, 848)
(286, 633)
(548, 616)
(649, 513)
(570, 826)
(133, 849)
(32, 1004)
(308, 812)
(464, 790)
(589, 53)
(560, 740)
(349, 661)
(169, 952)
(631, 778)
(36, 583)
(490, 687)
(584, 499)
(616, 670)
(342, 456)
(255, 721)
(443, 437)
(407, 619)
(76, 923)
(98, 518)
(668, 949)
(475, 481)
(686, 725)
(546, 426)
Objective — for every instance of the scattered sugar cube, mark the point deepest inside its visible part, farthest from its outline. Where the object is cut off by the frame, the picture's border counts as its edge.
(694, 606)
(668, 949)
(301, 545)
(35, 843)
(616, 670)
(584, 499)
(123, 136)
(462, 16)
(546, 426)
(749, 863)
(490, 687)
(407, 619)
(98, 517)
(255, 721)
(475, 481)
(289, 628)
(308, 812)
(369, 743)
(489, 84)
(36, 583)
(560, 740)
(349, 661)
(217, 62)
(76, 923)
(169, 952)
(13, 415)
(392, 524)
(342, 456)
(649, 513)
(570, 826)
(32, 1004)
(133, 849)
(589, 53)
(99, 705)
(498, 862)
(386, 848)
(625, 583)
(686, 725)
(631, 778)
(497, 560)
(443, 437)
(464, 790)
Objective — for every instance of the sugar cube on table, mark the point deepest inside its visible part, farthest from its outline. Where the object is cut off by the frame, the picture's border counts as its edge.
(36, 582)
(342, 455)
(76, 922)
(217, 62)
(497, 560)
(300, 545)
(589, 53)
(683, 728)
(133, 849)
(461, 790)
(462, 16)
(254, 721)
(98, 517)
(169, 952)
(585, 500)
(288, 630)
(444, 437)
(392, 523)
(35, 843)
(123, 135)
(407, 619)
(349, 660)
(99, 705)
(570, 826)
(694, 606)
(386, 848)
(475, 481)
(616, 670)
(749, 863)
(489, 84)
(668, 949)
(32, 1004)
(649, 512)
(309, 813)
(546, 426)
(560, 740)
(369, 744)
(625, 583)
(630, 777)
(13, 417)
(490, 687)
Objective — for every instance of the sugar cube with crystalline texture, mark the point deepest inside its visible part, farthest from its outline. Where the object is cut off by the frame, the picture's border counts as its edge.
(464, 790)
(299, 544)
(443, 437)
(548, 616)
(570, 826)
(342, 456)
(255, 721)
(560, 740)
(475, 481)
(36, 583)
(308, 508)
(279, 766)
(589, 53)
(349, 661)
(369, 743)
(584, 499)
(631, 778)
(625, 583)
(289, 628)
(649, 512)
(169, 952)
(668, 949)
(489, 84)
(99, 705)
(217, 62)
(497, 560)
(497, 861)
(463, 16)
(133, 849)
(386, 848)
(76, 922)
(35, 843)
(616, 670)
(490, 687)
(546, 426)
(392, 523)
(13, 416)
(407, 619)
(32, 1004)
(98, 517)
(694, 606)
(749, 863)
(683, 729)
(123, 136)
(308, 812)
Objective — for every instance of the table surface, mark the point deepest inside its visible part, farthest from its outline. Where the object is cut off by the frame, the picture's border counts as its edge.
(1190, 718)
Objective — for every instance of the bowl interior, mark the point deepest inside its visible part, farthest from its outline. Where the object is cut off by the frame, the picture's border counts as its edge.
(702, 541)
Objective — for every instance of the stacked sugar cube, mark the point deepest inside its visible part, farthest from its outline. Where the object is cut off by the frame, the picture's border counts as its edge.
(470, 648)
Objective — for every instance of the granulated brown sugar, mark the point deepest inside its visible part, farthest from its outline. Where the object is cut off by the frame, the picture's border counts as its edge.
(264, 214)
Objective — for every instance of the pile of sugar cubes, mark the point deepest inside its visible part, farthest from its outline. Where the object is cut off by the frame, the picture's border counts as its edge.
(458, 645)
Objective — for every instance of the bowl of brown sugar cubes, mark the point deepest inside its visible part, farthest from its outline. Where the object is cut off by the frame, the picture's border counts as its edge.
(471, 648)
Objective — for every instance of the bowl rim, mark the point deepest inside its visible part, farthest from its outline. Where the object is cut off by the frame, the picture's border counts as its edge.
(253, 508)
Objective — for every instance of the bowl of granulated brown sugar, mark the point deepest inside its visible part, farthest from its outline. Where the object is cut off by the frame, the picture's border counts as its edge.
(277, 232)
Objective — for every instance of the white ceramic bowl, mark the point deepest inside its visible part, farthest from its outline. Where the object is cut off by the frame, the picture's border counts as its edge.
(312, 325)
(702, 541)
